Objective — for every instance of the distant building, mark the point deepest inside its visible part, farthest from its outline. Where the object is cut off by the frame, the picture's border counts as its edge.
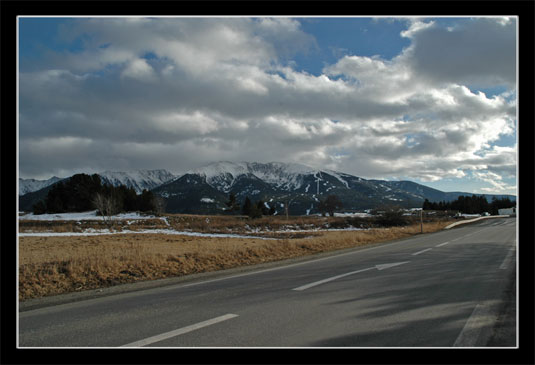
(507, 211)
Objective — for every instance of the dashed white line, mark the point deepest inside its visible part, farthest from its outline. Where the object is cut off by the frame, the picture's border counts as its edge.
(330, 279)
(378, 267)
(180, 331)
(419, 252)
(442, 244)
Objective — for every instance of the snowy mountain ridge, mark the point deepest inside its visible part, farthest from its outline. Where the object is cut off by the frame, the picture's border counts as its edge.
(30, 185)
(139, 179)
(285, 176)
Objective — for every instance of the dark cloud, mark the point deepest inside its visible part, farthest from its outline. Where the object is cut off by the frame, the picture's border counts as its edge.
(479, 52)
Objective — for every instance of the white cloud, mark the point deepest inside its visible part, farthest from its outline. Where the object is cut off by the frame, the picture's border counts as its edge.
(139, 69)
(186, 123)
(498, 186)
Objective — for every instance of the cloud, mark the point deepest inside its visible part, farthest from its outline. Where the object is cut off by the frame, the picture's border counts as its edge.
(478, 52)
(496, 182)
(177, 93)
(139, 69)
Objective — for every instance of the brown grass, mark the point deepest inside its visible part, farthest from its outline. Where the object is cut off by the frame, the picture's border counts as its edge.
(55, 265)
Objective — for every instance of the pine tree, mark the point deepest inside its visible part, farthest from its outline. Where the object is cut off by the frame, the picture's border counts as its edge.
(246, 208)
(256, 211)
(232, 204)
(426, 205)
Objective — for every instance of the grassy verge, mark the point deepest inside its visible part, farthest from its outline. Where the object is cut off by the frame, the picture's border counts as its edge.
(56, 265)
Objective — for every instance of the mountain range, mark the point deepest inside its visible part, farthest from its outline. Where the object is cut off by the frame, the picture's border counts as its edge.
(205, 190)
(139, 180)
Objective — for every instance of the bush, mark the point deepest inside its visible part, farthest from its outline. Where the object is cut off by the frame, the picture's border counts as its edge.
(391, 216)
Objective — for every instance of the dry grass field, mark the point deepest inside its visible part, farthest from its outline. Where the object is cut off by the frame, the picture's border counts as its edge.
(50, 265)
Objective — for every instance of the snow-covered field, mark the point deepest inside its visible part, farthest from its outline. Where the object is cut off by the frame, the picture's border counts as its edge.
(130, 217)
(91, 216)
(83, 216)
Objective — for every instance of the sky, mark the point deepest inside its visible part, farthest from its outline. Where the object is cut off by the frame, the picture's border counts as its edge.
(431, 100)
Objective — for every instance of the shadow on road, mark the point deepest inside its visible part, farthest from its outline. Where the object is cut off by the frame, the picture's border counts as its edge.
(432, 309)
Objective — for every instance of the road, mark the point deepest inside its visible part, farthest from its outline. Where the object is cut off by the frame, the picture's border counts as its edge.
(444, 289)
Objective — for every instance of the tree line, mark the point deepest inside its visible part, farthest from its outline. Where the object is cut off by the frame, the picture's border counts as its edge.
(260, 208)
(253, 210)
(471, 205)
(83, 192)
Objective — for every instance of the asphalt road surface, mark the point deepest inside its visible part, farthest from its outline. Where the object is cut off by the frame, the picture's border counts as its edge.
(445, 289)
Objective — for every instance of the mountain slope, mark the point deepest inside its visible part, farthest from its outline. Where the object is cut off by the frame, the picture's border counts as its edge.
(191, 194)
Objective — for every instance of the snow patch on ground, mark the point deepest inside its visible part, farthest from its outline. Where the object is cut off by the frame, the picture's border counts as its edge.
(363, 215)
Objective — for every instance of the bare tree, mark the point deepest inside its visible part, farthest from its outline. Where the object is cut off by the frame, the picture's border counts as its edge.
(329, 205)
(107, 206)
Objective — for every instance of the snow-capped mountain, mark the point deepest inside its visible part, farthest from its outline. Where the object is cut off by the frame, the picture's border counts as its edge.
(282, 176)
(139, 180)
(30, 185)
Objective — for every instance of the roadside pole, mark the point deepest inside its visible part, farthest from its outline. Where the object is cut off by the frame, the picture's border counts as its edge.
(421, 221)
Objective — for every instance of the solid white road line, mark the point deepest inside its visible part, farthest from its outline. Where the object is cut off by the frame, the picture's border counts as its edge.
(478, 321)
(419, 252)
(507, 259)
(180, 331)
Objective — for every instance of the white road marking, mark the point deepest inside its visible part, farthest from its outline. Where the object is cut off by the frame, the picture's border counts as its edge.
(419, 252)
(179, 286)
(388, 266)
(180, 331)
(442, 244)
(378, 267)
(507, 260)
(330, 279)
(478, 321)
